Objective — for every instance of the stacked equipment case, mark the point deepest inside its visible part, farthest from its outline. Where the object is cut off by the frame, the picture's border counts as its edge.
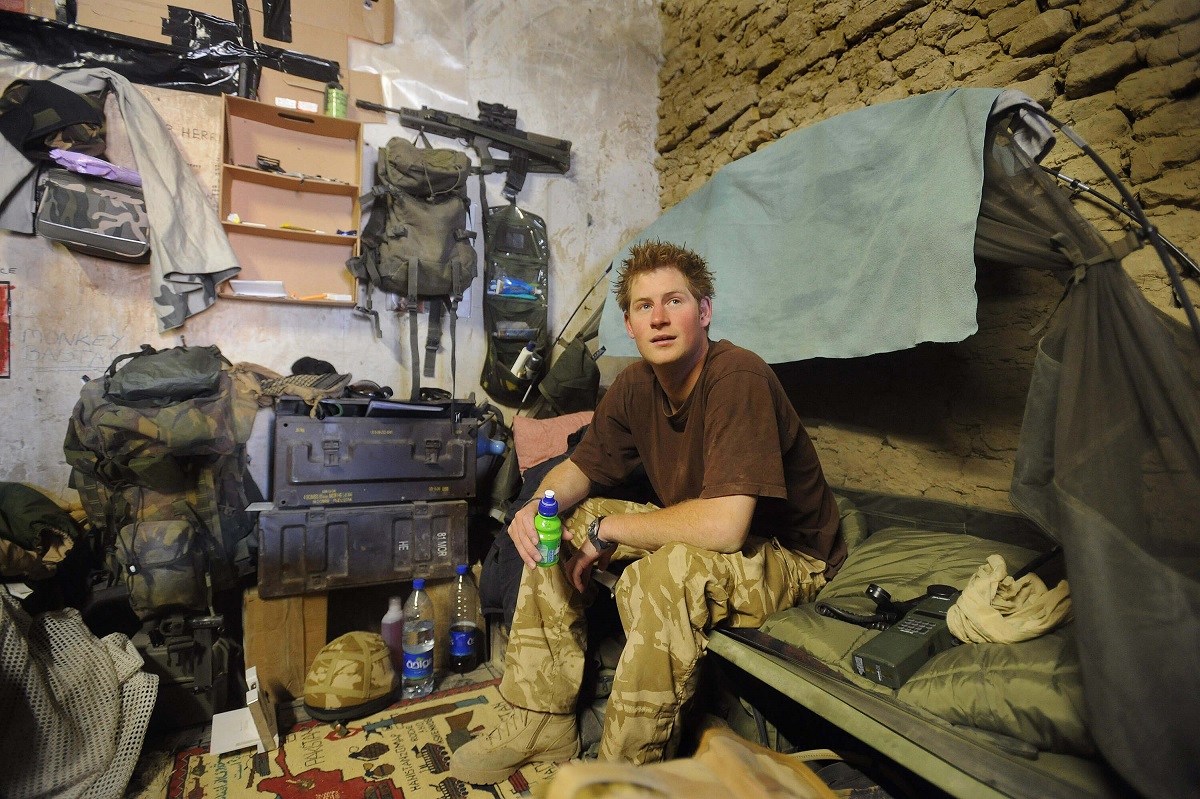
(373, 492)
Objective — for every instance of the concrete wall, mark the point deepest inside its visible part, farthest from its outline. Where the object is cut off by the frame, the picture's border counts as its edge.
(942, 420)
(579, 71)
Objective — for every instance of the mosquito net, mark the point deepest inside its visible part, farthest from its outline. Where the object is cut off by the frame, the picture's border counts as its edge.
(1109, 465)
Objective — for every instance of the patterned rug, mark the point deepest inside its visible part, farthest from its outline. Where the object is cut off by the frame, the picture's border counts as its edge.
(400, 753)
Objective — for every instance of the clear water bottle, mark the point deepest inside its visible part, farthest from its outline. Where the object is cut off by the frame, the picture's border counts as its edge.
(417, 670)
(464, 632)
(392, 630)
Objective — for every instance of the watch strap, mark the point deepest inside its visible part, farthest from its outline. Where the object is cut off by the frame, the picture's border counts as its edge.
(593, 532)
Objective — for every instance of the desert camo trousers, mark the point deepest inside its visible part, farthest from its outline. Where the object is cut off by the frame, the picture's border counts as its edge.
(668, 601)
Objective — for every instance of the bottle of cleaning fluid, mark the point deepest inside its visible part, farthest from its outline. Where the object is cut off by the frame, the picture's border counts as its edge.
(392, 630)
(416, 673)
(549, 529)
(464, 633)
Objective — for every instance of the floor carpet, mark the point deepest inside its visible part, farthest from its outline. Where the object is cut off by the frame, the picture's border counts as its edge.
(403, 751)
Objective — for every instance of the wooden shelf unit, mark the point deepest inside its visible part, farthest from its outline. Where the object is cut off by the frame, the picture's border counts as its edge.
(289, 220)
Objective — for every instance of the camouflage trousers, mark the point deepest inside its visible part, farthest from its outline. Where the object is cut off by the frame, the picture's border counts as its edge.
(668, 601)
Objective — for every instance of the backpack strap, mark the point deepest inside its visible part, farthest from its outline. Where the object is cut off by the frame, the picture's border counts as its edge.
(433, 336)
(414, 306)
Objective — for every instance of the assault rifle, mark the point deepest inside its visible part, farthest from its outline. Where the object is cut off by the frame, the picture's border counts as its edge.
(496, 128)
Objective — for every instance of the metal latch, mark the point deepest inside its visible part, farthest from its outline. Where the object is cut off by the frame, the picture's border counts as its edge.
(331, 452)
(433, 447)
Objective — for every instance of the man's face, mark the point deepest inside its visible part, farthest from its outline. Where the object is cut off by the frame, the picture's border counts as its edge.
(668, 324)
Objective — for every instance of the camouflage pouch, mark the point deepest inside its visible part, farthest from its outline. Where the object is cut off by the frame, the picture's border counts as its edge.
(95, 216)
(164, 566)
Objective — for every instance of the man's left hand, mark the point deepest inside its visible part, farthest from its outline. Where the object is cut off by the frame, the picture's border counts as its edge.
(579, 567)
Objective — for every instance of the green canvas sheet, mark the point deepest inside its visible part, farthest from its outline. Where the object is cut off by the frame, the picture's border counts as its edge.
(850, 237)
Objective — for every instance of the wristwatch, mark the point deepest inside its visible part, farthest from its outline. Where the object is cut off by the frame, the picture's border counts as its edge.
(599, 545)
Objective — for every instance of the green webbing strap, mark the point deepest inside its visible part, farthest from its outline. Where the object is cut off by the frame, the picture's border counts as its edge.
(433, 336)
(414, 353)
(206, 505)
(94, 498)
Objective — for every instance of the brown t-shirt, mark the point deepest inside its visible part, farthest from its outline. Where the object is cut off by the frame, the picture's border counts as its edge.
(737, 433)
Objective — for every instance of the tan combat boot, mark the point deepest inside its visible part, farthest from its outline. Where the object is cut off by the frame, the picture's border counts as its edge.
(526, 736)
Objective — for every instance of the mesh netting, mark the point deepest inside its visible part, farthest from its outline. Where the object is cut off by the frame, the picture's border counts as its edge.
(74, 707)
(1109, 465)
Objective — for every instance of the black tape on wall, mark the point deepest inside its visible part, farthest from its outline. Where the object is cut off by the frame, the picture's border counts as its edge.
(206, 53)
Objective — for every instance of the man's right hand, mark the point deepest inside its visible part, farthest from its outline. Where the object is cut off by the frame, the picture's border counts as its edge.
(524, 535)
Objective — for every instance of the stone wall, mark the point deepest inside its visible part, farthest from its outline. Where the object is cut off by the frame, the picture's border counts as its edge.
(943, 420)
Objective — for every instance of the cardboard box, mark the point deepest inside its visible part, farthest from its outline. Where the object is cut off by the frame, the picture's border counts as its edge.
(318, 28)
(364, 19)
(37, 8)
(307, 39)
(281, 638)
(289, 91)
(142, 19)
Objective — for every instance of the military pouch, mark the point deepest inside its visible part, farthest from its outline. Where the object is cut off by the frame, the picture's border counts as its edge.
(164, 566)
(95, 216)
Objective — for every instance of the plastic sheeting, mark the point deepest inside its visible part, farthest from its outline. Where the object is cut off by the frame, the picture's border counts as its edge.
(207, 56)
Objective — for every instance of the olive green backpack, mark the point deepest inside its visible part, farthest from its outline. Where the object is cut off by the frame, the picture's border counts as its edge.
(416, 242)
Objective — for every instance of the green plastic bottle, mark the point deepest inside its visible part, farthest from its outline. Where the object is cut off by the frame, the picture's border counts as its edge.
(549, 529)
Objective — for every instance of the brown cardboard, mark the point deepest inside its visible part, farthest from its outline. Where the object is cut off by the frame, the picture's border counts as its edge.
(307, 39)
(371, 20)
(364, 19)
(281, 638)
(289, 91)
(365, 86)
(142, 19)
(37, 8)
(288, 222)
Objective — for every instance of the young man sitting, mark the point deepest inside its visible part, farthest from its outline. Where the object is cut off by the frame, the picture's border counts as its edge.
(749, 527)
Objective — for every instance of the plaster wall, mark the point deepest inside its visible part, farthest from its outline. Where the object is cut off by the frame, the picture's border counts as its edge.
(586, 72)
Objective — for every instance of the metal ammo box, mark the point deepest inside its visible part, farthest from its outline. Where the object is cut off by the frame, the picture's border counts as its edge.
(374, 492)
(372, 452)
(319, 549)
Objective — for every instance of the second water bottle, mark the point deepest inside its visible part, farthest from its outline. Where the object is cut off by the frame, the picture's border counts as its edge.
(417, 673)
(464, 630)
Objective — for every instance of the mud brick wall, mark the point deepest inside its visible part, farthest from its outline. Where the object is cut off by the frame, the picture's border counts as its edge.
(943, 420)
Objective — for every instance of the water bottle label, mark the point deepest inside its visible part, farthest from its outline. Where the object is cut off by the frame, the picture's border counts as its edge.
(418, 665)
(462, 643)
(549, 554)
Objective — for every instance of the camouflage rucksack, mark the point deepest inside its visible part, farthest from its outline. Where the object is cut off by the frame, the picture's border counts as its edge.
(157, 453)
(37, 116)
(416, 242)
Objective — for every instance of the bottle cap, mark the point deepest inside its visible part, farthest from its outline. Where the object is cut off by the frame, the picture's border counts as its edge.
(548, 506)
(418, 583)
(461, 568)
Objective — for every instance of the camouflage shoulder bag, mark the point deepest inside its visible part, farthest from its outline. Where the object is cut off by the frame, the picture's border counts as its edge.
(94, 215)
